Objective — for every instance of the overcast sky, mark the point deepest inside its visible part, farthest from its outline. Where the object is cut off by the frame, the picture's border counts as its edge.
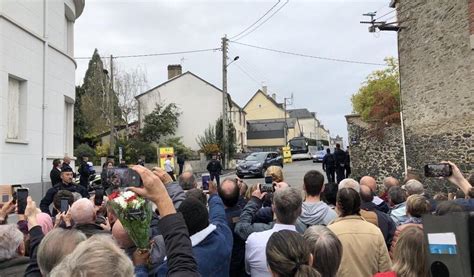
(328, 28)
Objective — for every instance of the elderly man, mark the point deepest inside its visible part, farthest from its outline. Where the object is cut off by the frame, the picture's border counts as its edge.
(397, 199)
(349, 183)
(387, 184)
(66, 184)
(370, 182)
(287, 208)
(83, 214)
(12, 251)
(187, 180)
(123, 240)
(67, 165)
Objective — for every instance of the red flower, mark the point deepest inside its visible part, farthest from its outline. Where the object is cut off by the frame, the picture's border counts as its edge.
(113, 195)
(131, 198)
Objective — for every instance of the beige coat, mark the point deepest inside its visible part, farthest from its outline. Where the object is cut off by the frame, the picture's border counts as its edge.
(364, 251)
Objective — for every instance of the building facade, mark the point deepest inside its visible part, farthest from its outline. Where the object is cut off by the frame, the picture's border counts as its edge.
(199, 102)
(37, 88)
(436, 54)
(269, 126)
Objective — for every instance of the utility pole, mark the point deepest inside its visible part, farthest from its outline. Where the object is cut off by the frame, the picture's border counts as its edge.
(224, 101)
(111, 107)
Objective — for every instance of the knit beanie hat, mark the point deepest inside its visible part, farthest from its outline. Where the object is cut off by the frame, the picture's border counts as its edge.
(195, 215)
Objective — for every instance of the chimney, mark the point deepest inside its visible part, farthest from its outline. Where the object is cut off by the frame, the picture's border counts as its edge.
(264, 89)
(274, 96)
(174, 70)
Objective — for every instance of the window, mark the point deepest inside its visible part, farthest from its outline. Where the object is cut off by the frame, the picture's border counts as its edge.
(17, 110)
(68, 123)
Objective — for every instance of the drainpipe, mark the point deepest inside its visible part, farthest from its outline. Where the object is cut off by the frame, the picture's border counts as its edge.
(43, 105)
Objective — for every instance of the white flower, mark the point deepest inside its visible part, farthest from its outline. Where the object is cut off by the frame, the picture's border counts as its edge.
(128, 194)
(135, 203)
(121, 201)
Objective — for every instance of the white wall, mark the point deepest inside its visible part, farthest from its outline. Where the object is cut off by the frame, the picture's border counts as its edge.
(22, 54)
(200, 104)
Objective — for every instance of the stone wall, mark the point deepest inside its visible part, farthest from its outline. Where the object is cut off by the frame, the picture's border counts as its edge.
(437, 84)
(377, 157)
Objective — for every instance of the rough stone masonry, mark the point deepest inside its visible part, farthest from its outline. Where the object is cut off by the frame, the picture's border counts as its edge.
(436, 58)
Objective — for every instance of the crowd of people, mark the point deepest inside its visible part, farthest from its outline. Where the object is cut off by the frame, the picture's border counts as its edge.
(349, 228)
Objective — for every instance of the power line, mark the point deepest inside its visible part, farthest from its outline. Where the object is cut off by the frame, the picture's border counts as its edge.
(268, 18)
(307, 56)
(247, 74)
(157, 54)
(258, 20)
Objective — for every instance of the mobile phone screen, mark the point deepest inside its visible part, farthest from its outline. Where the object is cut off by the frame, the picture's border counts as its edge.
(64, 205)
(22, 195)
(268, 180)
(98, 197)
(124, 177)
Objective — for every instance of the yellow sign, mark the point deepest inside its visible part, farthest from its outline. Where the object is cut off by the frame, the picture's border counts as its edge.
(286, 155)
(163, 153)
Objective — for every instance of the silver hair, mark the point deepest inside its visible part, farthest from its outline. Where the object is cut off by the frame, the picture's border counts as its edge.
(287, 205)
(349, 183)
(97, 256)
(326, 249)
(10, 239)
(50, 252)
(82, 211)
(187, 183)
(76, 195)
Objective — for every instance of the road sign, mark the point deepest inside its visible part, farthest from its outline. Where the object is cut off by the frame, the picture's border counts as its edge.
(286, 154)
(163, 154)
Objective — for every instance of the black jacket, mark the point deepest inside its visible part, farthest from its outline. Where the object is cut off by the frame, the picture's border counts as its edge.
(36, 236)
(340, 157)
(237, 261)
(90, 229)
(329, 161)
(14, 267)
(178, 246)
(55, 176)
(49, 197)
(214, 166)
(84, 174)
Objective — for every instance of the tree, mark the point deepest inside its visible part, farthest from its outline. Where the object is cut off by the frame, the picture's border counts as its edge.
(163, 121)
(127, 85)
(81, 125)
(231, 141)
(83, 150)
(99, 105)
(379, 96)
(212, 140)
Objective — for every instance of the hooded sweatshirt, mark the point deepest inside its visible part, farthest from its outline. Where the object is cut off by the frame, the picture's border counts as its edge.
(314, 214)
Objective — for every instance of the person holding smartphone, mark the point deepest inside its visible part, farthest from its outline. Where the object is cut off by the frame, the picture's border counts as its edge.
(66, 184)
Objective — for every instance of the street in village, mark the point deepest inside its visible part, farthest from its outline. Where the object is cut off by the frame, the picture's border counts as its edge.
(292, 172)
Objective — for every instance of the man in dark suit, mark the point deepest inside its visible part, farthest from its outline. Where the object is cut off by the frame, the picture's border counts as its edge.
(341, 159)
(55, 174)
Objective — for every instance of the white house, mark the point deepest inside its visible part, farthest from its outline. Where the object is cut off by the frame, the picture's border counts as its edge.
(200, 104)
(310, 126)
(37, 88)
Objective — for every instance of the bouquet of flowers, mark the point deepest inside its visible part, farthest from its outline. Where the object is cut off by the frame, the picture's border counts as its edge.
(134, 212)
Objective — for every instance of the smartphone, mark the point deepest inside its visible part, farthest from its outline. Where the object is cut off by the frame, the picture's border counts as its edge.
(64, 205)
(22, 195)
(438, 170)
(98, 197)
(205, 181)
(268, 186)
(124, 177)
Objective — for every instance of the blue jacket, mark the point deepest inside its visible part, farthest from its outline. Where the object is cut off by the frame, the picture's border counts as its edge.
(212, 253)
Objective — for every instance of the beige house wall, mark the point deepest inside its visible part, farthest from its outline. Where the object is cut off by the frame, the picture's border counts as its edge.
(265, 142)
(260, 107)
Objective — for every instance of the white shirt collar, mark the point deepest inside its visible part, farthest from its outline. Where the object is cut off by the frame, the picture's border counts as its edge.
(278, 227)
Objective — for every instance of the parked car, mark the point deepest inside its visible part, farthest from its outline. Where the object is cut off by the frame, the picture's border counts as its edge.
(318, 157)
(257, 163)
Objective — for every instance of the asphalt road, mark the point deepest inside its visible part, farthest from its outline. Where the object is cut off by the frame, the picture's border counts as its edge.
(293, 173)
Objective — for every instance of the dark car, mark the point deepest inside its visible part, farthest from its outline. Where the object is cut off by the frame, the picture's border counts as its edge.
(257, 163)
